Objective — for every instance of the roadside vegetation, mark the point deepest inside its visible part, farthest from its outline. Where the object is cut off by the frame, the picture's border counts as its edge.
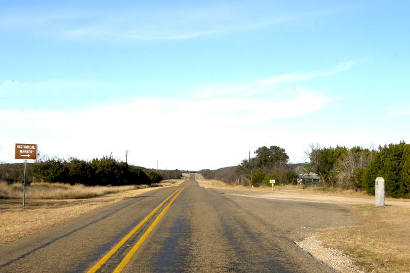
(269, 163)
(97, 172)
(337, 167)
(59, 190)
(357, 168)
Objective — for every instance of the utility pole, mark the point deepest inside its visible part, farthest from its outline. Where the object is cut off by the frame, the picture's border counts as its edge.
(250, 168)
(35, 165)
(126, 157)
(157, 165)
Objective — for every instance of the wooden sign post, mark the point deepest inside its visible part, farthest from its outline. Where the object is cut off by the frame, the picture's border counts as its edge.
(25, 151)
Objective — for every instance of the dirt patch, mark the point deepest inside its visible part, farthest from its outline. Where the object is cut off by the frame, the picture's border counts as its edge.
(40, 213)
(380, 242)
(212, 183)
(170, 182)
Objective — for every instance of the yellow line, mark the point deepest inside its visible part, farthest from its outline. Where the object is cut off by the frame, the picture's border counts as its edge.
(115, 248)
(137, 245)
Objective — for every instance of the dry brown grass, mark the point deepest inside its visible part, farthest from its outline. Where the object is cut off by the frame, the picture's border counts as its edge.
(213, 183)
(380, 242)
(16, 222)
(320, 191)
(59, 190)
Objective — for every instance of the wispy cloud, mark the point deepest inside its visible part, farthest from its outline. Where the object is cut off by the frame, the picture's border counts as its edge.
(169, 29)
(12, 85)
(401, 111)
(144, 24)
(279, 86)
(270, 85)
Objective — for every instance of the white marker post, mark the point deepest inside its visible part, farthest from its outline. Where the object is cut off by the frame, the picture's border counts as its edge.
(379, 192)
(272, 182)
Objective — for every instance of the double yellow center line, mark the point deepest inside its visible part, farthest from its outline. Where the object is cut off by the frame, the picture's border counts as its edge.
(141, 240)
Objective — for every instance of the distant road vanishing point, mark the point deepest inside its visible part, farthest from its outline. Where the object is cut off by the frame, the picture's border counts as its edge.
(178, 229)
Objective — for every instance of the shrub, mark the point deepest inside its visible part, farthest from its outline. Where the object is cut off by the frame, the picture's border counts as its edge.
(154, 176)
(170, 174)
(104, 171)
(356, 179)
(258, 177)
(392, 163)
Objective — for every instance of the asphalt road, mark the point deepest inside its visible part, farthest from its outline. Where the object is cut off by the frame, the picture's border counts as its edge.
(194, 230)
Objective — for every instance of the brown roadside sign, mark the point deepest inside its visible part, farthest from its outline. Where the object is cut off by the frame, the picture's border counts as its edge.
(26, 151)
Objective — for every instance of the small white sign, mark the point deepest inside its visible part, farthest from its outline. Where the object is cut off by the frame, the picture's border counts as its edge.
(272, 181)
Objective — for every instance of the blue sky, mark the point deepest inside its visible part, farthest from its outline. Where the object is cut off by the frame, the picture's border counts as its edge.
(197, 85)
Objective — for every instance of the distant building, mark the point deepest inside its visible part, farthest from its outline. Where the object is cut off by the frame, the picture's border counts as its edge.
(305, 178)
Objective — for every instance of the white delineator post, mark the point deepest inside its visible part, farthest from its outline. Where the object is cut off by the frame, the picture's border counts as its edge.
(379, 192)
(272, 182)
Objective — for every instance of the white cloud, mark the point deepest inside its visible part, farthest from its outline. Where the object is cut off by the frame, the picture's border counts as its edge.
(183, 133)
(180, 133)
(213, 126)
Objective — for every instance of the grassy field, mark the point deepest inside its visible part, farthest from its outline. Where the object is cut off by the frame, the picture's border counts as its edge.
(379, 242)
(59, 190)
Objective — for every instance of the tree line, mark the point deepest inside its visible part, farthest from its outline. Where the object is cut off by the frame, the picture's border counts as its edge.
(349, 168)
(102, 171)
(269, 163)
(357, 168)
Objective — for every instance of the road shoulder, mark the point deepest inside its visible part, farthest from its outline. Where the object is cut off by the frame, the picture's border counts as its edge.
(376, 241)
